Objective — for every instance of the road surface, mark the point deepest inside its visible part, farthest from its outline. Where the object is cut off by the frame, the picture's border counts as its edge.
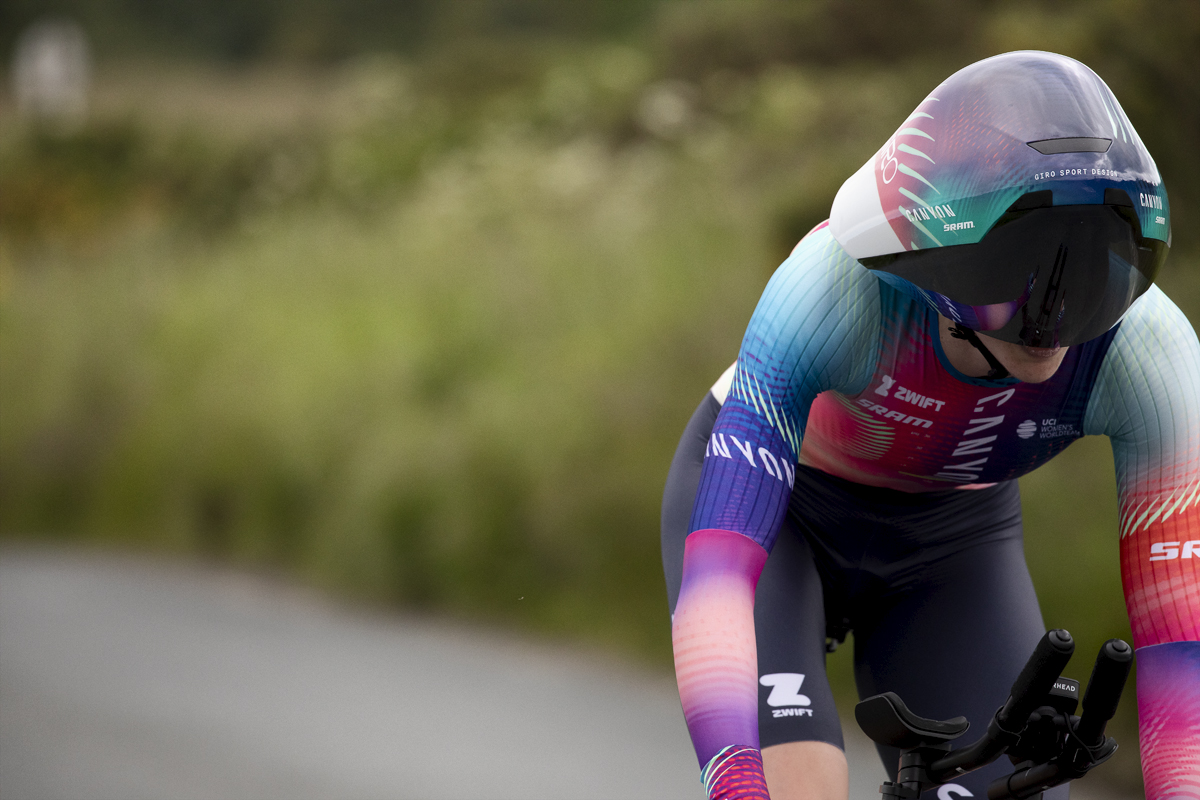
(125, 677)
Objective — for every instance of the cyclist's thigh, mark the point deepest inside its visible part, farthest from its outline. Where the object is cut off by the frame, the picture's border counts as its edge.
(953, 643)
(679, 495)
(795, 702)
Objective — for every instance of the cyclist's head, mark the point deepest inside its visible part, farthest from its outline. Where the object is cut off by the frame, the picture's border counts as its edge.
(1017, 199)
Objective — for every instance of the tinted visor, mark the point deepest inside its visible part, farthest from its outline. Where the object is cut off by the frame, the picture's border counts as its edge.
(1043, 277)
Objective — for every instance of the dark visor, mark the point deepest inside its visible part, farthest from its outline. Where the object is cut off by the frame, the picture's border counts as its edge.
(1041, 277)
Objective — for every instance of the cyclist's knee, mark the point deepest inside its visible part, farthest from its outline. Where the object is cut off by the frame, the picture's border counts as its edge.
(815, 770)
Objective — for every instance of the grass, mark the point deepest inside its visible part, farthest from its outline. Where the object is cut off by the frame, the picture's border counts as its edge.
(466, 398)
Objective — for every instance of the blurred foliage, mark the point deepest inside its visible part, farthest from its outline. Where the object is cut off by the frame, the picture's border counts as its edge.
(419, 312)
(319, 30)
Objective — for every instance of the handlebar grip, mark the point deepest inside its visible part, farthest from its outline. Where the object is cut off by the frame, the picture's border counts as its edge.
(1104, 690)
(1029, 690)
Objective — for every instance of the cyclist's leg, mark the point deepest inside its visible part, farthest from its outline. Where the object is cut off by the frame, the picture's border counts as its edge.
(795, 703)
(953, 639)
(802, 746)
(679, 495)
(798, 725)
(806, 771)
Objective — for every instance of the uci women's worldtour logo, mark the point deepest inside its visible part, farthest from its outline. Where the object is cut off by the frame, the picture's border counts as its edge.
(1048, 428)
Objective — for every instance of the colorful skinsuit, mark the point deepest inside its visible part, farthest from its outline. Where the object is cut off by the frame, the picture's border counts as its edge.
(844, 373)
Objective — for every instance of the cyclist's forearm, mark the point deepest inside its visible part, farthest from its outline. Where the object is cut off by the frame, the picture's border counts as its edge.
(713, 636)
(1168, 692)
(715, 657)
(1161, 569)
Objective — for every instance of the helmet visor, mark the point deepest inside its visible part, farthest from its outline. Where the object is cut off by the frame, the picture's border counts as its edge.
(1044, 277)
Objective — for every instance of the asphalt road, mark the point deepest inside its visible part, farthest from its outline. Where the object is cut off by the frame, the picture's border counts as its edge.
(129, 678)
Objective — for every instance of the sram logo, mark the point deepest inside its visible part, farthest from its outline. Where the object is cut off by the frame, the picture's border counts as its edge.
(785, 692)
(1168, 551)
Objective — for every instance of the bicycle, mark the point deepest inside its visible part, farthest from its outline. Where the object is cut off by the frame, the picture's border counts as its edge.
(1036, 727)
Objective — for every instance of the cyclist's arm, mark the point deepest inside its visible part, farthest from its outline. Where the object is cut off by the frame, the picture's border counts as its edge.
(815, 328)
(1147, 400)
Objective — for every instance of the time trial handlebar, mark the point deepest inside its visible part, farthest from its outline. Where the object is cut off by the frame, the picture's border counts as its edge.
(1035, 726)
(1028, 691)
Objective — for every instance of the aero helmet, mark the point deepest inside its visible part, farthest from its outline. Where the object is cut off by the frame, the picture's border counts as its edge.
(1017, 200)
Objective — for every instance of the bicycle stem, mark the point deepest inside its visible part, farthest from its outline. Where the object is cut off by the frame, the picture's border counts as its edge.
(987, 749)
(1026, 783)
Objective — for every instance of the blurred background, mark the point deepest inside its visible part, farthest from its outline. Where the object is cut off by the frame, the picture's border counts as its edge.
(410, 301)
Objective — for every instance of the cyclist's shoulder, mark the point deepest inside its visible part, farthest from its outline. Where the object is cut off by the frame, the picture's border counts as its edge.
(819, 281)
(1156, 332)
(819, 315)
(1149, 381)
(818, 260)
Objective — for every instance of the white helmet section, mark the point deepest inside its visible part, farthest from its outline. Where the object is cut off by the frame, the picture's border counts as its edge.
(857, 220)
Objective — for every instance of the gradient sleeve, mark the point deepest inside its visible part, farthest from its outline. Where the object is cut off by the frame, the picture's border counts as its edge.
(1147, 399)
(815, 328)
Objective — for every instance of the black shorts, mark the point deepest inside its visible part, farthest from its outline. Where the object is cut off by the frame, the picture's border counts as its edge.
(934, 586)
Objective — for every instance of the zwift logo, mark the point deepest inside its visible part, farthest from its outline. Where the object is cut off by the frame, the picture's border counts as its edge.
(907, 395)
(785, 694)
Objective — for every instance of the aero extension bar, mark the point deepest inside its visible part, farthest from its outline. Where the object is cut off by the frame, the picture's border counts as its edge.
(1035, 727)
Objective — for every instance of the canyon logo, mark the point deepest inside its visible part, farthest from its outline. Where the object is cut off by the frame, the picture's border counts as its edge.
(972, 444)
(778, 468)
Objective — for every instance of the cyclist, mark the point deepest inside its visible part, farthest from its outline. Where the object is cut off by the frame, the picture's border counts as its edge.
(980, 297)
